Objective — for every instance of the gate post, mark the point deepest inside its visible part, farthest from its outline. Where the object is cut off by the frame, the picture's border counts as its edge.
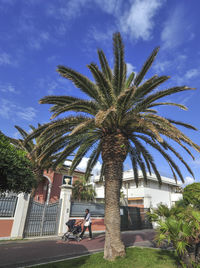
(20, 216)
(65, 196)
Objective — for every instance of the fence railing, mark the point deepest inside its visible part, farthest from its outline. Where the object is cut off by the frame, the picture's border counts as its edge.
(78, 209)
(7, 206)
(132, 218)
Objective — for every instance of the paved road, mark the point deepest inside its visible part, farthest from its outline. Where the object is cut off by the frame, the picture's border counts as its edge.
(24, 253)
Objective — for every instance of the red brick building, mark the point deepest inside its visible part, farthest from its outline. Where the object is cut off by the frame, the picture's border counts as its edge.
(49, 188)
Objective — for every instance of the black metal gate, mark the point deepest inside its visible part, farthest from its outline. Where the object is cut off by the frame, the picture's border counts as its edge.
(133, 218)
(42, 219)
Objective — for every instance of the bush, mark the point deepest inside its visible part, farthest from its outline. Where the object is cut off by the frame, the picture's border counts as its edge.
(15, 168)
(191, 195)
(179, 226)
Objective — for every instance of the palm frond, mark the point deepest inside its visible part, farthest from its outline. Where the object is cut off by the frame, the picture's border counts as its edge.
(80, 81)
(119, 64)
(168, 146)
(93, 160)
(104, 65)
(146, 67)
(130, 80)
(23, 133)
(183, 107)
(69, 149)
(79, 106)
(158, 95)
(82, 126)
(105, 90)
(83, 149)
(182, 124)
(132, 155)
(149, 86)
(164, 154)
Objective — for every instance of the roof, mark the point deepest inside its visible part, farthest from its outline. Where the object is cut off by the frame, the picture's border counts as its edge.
(128, 176)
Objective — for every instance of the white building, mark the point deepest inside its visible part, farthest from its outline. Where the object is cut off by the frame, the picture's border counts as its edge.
(145, 195)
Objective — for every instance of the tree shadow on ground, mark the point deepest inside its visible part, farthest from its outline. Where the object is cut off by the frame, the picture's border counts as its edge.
(140, 236)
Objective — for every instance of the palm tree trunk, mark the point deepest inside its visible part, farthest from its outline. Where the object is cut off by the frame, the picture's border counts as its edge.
(114, 151)
(113, 245)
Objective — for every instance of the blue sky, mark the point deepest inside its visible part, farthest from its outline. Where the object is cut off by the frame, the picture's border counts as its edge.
(37, 35)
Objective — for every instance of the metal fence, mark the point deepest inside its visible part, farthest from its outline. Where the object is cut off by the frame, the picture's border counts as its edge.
(132, 218)
(8, 205)
(78, 209)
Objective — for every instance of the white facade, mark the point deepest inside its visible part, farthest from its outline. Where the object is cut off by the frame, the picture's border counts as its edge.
(145, 195)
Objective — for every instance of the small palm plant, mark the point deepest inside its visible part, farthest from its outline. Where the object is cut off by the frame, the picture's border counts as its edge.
(82, 191)
(117, 119)
(181, 227)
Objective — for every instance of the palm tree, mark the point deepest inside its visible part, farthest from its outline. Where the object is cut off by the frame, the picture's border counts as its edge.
(181, 227)
(116, 120)
(33, 152)
(82, 191)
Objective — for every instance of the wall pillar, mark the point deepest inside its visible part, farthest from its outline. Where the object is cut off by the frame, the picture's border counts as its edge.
(65, 196)
(20, 216)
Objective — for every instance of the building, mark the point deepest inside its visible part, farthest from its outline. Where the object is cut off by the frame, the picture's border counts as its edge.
(145, 195)
(49, 187)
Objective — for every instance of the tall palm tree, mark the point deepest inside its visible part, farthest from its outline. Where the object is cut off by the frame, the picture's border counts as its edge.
(116, 120)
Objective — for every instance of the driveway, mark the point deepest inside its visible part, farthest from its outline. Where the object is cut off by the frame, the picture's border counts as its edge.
(29, 252)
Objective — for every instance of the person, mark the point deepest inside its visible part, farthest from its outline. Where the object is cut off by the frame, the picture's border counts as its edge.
(87, 224)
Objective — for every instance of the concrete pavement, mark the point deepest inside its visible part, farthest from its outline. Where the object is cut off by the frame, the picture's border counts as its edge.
(30, 252)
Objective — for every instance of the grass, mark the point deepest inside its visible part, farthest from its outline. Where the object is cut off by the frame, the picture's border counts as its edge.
(136, 257)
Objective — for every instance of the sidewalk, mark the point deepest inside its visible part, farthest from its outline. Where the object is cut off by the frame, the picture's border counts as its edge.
(30, 252)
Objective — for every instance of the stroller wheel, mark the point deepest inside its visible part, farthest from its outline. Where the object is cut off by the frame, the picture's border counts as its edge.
(65, 238)
(78, 239)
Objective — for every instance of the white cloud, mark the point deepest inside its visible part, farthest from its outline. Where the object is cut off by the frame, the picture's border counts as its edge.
(28, 113)
(7, 88)
(162, 65)
(188, 180)
(196, 163)
(138, 20)
(8, 1)
(6, 107)
(67, 10)
(176, 29)
(36, 42)
(100, 36)
(130, 68)
(135, 18)
(83, 164)
(9, 110)
(5, 59)
(54, 86)
(185, 77)
(113, 7)
(166, 63)
(192, 73)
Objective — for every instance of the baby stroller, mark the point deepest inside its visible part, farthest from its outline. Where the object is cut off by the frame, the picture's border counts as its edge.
(74, 229)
